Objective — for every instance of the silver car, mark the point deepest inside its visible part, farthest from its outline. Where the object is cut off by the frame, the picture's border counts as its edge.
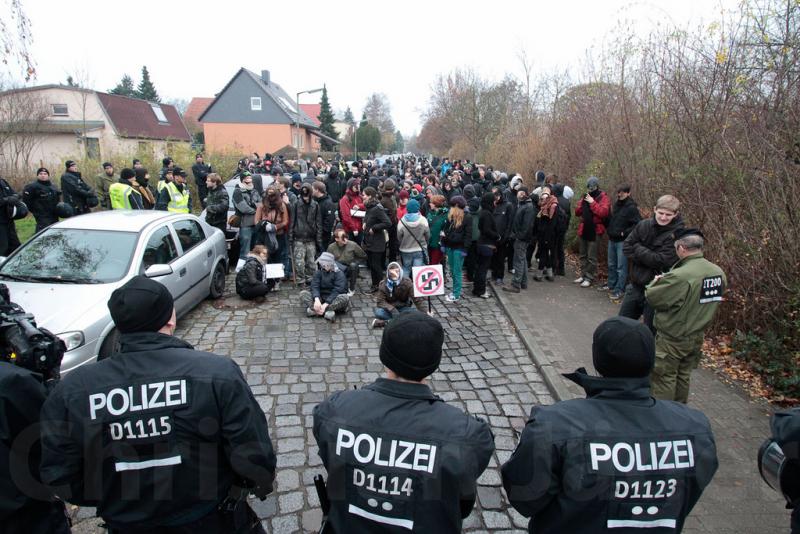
(65, 274)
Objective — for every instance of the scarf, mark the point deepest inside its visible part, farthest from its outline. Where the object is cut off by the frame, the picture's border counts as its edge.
(411, 217)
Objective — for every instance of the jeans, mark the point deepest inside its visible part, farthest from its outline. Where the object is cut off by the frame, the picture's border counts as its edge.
(411, 259)
(617, 267)
(520, 278)
(455, 258)
(385, 315)
(634, 305)
(245, 240)
(588, 254)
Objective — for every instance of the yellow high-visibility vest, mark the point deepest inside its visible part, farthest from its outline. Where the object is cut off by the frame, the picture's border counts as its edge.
(120, 196)
(178, 202)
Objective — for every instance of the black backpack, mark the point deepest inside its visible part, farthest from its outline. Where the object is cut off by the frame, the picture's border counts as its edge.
(562, 220)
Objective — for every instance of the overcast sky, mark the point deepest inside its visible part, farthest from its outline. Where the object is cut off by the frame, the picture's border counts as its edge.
(354, 47)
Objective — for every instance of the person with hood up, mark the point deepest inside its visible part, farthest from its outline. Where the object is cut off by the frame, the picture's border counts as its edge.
(546, 222)
(305, 233)
(122, 194)
(395, 296)
(351, 210)
(336, 185)
(250, 281)
(457, 239)
(413, 235)
(487, 244)
(376, 221)
(149, 194)
(593, 209)
(618, 460)
(327, 293)
(42, 198)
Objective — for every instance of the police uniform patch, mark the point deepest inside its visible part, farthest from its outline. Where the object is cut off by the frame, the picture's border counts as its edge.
(711, 289)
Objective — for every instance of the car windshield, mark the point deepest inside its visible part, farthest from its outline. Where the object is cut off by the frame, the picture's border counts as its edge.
(64, 255)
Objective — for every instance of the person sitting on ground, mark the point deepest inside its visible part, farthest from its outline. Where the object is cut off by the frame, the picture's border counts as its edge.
(250, 281)
(347, 254)
(618, 459)
(328, 290)
(443, 450)
(395, 295)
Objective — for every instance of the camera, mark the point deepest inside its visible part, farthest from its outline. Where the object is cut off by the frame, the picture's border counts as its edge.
(779, 472)
(25, 345)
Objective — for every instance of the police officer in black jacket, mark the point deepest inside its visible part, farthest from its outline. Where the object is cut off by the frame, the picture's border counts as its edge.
(201, 170)
(42, 197)
(77, 193)
(617, 460)
(159, 437)
(398, 458)
(11, 208)
(786, 433)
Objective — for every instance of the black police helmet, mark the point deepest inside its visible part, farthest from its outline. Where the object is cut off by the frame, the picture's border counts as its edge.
(64, 210)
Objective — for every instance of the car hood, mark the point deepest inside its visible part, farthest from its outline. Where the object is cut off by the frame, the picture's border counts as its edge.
(60, 307)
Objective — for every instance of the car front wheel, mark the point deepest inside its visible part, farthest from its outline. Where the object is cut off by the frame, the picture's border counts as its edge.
(110, 345)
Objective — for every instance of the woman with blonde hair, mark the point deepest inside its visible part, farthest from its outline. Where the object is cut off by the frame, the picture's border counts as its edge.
(457, 237)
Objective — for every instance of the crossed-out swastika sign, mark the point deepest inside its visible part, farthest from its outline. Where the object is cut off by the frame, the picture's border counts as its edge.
(428, 280)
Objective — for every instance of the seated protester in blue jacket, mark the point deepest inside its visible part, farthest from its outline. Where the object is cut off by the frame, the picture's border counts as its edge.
(328, 291)
(618, 460)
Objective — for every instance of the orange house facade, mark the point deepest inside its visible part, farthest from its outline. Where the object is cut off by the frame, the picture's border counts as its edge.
(252, 113)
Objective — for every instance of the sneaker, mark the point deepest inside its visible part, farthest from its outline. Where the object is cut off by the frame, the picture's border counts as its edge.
(615, 295)
(378, 323)
(451, 298)
(330, 315)
(351, 292)
(498, 282)
(579, 281)
(511, 289)
(512, 271)
(310, 312)
(604, 287)
(485, 295)
(277, 286)
(586, 283)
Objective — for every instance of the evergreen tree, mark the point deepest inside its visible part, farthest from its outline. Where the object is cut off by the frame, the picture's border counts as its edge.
(124, 87)
(399, 142)
(146, 89)
(369, 137)
(326, 120)
(71, 82)
(363, 120)
(348, 116)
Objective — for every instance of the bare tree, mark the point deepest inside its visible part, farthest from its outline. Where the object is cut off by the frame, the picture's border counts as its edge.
(16, 39)
(23, 122)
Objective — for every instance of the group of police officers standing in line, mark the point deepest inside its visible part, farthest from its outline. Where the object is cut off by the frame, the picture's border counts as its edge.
(163, 438)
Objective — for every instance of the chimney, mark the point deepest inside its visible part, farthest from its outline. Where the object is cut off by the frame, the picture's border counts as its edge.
(265, 76)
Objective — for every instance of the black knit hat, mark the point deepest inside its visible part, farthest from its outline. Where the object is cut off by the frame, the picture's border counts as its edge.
(127, 174)
(40, 169)
(141, 305)
(412, 345)
(622, 347)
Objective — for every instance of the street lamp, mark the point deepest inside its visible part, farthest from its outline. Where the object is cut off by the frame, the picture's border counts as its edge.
(297, 114)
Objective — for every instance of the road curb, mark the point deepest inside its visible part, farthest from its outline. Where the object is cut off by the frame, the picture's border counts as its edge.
(552, 377)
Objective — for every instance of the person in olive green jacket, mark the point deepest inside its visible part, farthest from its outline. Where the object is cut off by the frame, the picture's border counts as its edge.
(685, 300)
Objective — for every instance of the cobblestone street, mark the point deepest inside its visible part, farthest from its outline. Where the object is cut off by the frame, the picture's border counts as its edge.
(485, 370)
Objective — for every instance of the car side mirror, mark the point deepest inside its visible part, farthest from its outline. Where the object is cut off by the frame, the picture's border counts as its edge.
(158, 269)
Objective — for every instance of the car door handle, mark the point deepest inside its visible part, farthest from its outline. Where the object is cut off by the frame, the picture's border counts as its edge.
(209, 253)
(182, 272)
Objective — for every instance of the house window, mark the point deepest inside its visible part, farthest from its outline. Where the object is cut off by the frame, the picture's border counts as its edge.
(298, 140)
(159, 113)
(93, 148)
(60, 110)
(255, 103)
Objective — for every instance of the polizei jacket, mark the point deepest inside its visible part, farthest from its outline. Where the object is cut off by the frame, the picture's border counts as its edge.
(155, 435)
(399, 459)
(616, 461)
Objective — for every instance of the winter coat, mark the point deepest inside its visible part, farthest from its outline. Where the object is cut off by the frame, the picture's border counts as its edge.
(650, 249)
(328, 212)
(77, 193)
(503, 214)
(601, 208)
(624, 217)
(350, 253)
(217, 204)
(335, 186)
(42, 199)
(459, 237)
(413, 236)
(252, 275)
(201, 172)
(524, 219)
(390, 205)
(245, 203)
(546, 221)
(327, 285)
(279, 217)
(402, 295)
(486, 224)
(436, 220)
(306, 222)
(376, 220)
(346, 205)
(582, 465)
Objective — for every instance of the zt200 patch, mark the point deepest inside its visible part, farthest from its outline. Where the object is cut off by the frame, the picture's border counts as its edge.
(711, 290)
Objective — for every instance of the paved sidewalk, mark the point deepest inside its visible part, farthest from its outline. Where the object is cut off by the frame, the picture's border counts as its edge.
(556, 321)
